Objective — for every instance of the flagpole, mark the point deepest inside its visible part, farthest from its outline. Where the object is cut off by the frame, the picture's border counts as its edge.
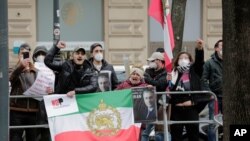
(165, 119)
(56, 22)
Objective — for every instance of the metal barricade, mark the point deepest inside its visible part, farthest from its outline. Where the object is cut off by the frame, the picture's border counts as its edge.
(167, 122)
(27, 126)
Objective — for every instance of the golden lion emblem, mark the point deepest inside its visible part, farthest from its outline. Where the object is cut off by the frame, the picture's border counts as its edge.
(104, 121)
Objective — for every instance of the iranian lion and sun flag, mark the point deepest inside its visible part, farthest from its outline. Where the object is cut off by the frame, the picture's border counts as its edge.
(106, 116)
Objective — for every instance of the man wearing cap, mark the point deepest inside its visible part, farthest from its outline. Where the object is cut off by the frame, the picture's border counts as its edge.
(76, 76)
(101, 64)
(157, 78)
(23, 110)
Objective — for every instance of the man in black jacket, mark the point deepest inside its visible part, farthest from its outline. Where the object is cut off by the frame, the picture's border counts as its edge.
(212, 81)
(76, 76)
(101, 65)
(155, 75)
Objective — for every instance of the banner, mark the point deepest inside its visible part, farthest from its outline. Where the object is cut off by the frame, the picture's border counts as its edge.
(44, 79)
(105, 116)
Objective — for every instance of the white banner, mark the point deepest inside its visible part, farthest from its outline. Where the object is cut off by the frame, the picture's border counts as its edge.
(60, 104)
(45, 79)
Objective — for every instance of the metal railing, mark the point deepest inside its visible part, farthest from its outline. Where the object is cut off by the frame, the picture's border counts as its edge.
(27, 126)
(165, 121)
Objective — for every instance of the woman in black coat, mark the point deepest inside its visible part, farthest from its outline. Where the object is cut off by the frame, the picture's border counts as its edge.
(186, 76)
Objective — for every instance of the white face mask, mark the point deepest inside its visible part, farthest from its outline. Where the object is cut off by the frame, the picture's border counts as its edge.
(98, 57)
(40, 58)
(152, 65)
(183, 62)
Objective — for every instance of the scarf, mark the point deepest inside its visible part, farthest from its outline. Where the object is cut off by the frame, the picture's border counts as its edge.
(183, 69)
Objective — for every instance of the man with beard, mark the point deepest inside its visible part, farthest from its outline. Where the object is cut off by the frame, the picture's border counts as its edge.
(76, 76)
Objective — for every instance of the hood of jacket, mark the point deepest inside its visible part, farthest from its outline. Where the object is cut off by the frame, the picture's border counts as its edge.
(37, 50)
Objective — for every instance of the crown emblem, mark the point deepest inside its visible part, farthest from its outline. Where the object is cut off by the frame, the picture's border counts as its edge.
(104, 120)
(102, 106)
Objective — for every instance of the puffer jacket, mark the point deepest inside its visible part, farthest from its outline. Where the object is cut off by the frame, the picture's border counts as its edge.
(212, 75)
(107, 67)
(71, 77)
(21, 80)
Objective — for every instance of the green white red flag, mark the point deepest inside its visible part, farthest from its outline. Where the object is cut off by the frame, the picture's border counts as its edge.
(106, 116)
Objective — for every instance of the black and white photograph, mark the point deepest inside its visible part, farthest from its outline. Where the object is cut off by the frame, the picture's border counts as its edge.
(144, 104)
(104, 82)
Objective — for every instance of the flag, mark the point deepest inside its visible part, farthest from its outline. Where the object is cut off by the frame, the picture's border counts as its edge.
(106, 116)
(160, 11)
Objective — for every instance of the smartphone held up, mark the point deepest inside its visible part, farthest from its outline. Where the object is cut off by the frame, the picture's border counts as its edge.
(26, 55)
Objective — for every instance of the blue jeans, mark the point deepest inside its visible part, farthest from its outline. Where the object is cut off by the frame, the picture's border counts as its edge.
(146, 132)
(211, 127)
(159, 136)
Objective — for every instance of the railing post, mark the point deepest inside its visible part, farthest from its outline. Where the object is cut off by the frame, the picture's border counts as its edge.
(165, 117)
(4, 86)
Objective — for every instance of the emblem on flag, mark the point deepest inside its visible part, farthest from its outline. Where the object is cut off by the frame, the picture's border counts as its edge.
(104, 121)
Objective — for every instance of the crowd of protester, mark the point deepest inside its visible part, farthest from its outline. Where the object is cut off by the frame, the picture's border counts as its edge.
(80, 75)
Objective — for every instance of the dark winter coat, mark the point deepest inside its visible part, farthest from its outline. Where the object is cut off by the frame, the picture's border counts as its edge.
(212, 75)
(107, 67)
(157, 79)
(195, 73)
(21, 80)
(71, 77)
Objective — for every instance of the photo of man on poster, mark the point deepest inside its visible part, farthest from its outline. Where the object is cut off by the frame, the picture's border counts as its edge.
(104, 83)
(144, 100)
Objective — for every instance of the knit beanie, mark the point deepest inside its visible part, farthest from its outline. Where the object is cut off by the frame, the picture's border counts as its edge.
(137, 69)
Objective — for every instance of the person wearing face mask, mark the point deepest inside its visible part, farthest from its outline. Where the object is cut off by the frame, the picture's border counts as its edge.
(158, 72)
(76, 76)
(100, 64)
(39, 54)
(155, 75)
(211, 80)
(135, 79)
(38, 57)
(185, 76)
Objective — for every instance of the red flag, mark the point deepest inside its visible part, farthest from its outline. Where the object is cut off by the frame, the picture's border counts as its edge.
(161, 13)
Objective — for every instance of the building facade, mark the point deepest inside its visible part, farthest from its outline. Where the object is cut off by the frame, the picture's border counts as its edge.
(122, 26)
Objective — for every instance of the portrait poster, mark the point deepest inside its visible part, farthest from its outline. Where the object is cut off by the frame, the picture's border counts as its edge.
(104, 81)
(144, 104)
